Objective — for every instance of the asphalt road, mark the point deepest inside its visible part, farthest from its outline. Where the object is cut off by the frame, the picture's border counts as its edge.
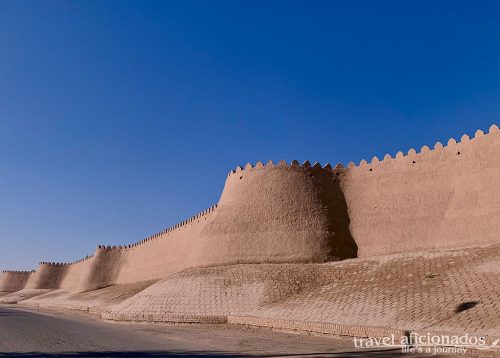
(25, 333)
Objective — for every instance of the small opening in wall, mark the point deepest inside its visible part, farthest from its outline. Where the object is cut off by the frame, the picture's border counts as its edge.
(458, 153)
(414, 162)
(241, 177)
(370, 170)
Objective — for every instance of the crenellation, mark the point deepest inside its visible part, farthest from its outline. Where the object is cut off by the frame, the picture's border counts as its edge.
(438, 146)
(424, 150)
(479, 133)
(283, 164)
(177, 226)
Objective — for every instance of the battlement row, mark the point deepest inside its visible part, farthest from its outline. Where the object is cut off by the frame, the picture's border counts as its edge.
(154, 236)
(307, 164)
(175, 227)
(18, 272)
(123, 247)
(283, 163)
(66, 263)
(426, 149)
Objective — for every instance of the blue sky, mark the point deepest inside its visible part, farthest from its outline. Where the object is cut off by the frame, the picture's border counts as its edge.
(121, 118)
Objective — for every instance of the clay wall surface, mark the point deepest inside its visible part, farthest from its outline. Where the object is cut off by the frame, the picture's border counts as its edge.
(11, 281)
(47, 276)
(167, 252)
(51, 275)
(102, 269)
(77, 273)
(441, 198)
(278, 213)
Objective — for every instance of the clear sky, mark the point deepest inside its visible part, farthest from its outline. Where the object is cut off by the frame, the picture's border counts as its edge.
(121, 118)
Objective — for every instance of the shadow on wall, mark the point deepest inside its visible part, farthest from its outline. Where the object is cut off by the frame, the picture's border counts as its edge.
(342, 244)
(104, 270)
(50, 276)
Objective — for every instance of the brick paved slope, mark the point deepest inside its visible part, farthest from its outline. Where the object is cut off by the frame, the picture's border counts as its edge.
(94, 301)
(213, 293)
(451, 291)
(18, 296)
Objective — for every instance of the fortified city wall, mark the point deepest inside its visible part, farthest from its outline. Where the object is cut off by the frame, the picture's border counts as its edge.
(443, 197)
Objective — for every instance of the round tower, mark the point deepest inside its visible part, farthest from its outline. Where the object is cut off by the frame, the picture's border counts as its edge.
(279, 213)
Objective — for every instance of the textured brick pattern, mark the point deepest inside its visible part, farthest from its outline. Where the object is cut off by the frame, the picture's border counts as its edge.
(421, 292)
(221, 291)
(417, 292)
